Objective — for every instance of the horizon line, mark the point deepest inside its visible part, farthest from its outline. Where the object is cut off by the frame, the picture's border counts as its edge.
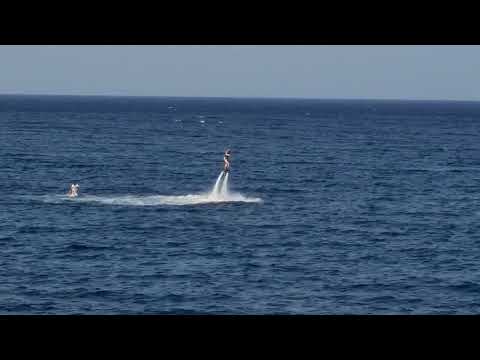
(238, 97)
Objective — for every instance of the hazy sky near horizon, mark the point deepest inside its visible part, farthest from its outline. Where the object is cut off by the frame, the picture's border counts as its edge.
(420, 72)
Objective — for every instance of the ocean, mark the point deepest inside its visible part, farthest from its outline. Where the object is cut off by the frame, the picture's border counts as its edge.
(332, 206)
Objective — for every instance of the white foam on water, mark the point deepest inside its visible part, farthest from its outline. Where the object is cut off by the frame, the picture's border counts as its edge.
(168, 200)
(153, 200)
(219, 194)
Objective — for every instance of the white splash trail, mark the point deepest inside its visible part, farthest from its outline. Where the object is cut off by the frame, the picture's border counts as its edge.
(153, 200)
(219, 194)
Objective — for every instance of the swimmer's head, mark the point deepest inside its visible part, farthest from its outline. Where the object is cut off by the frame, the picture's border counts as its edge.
(227, 151)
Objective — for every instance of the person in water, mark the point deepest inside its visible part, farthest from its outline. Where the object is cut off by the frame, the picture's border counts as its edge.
(226, 161)
(73, 190)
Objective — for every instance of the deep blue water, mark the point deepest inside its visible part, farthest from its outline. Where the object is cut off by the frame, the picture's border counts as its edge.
(368, 207)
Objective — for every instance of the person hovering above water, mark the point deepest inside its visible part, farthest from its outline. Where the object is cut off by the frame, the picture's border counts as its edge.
(226, 161)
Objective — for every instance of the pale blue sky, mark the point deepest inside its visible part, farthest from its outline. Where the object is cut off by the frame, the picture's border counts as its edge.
(364, 72)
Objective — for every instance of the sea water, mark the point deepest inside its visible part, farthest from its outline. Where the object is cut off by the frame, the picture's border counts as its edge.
(331, 207)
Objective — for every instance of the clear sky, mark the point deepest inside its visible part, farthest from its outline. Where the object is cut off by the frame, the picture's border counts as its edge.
(364, 72)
